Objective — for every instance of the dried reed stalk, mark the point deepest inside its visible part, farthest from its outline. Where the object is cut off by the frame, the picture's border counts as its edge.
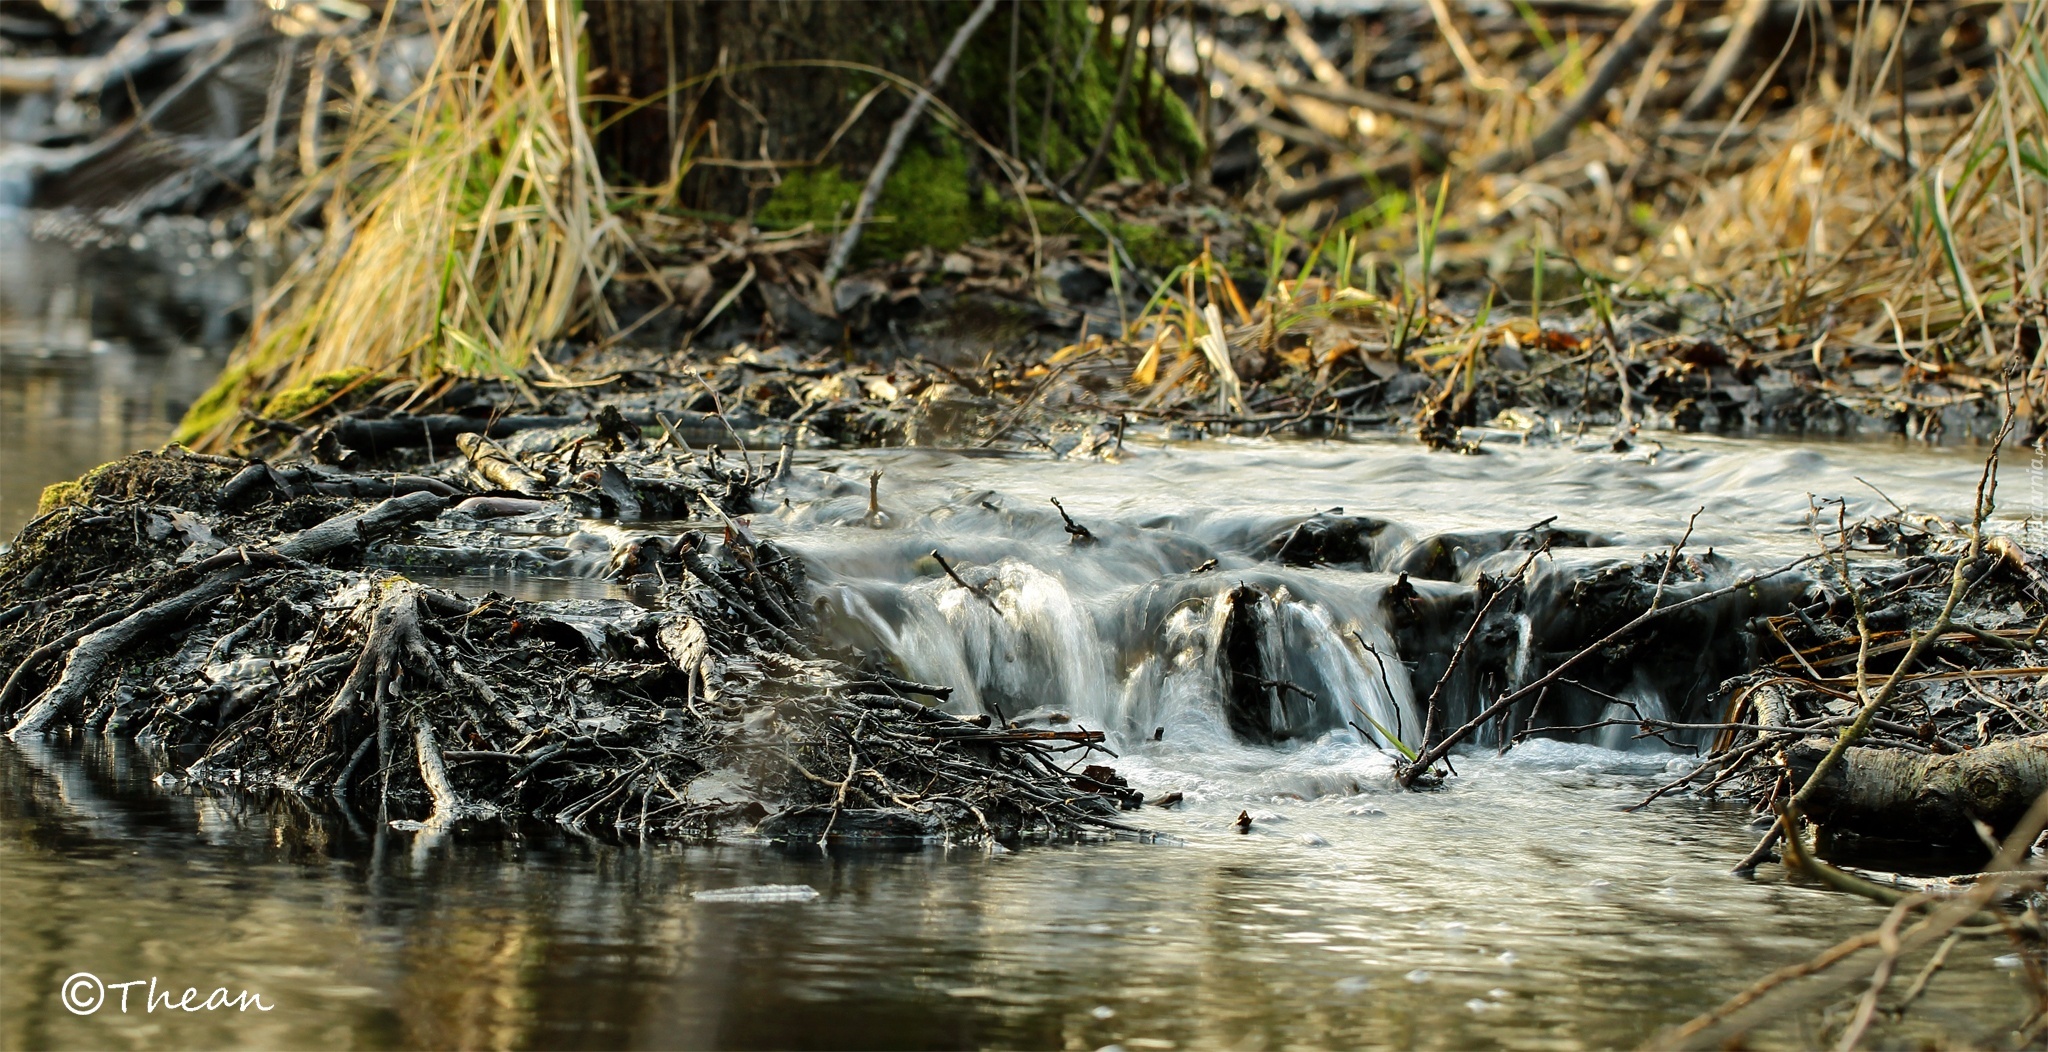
(466, 226)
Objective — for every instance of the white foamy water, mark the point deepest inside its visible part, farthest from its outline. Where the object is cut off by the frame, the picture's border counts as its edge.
(1128, 633)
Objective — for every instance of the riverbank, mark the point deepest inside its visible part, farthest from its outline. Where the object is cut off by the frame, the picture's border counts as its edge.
(1371, 241)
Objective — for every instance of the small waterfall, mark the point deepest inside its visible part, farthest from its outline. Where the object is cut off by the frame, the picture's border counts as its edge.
(1240, 626)
(1640, 700)
(1063, 638)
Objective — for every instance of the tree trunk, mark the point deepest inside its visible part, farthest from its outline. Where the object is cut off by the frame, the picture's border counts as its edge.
(741, 92)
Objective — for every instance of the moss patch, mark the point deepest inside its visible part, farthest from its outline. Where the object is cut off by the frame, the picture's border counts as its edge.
(1149, 245)
(58, 495)
(215, 407)
(297, 401)
(930, 199)
(933, 199)
(170, 476)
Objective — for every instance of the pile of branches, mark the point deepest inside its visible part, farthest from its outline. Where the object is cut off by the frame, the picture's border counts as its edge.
(1946, 699)
(232, 613)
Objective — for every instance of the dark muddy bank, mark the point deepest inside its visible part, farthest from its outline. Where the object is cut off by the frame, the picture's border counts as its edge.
(255, 634)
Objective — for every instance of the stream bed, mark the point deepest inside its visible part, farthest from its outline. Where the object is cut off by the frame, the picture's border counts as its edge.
(1520, 906)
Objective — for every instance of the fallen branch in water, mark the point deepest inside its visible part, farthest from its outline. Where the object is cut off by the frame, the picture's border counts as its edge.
(1944, 916)
(1513, 580)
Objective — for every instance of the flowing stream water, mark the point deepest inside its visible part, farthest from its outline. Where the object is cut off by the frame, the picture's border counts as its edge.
(1522, 905)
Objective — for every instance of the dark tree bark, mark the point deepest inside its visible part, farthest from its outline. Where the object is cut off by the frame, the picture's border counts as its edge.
(774, 109)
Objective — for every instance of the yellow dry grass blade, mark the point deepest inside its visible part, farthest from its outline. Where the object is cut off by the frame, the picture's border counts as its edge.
(467, 225)
(1834, 219)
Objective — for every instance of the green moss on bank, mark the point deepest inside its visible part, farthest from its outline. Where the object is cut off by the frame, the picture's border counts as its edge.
(59, 494)
(943, 192)
(935, 200)
(320, 390)
(154, 475)
(214, 408)
(224, 399)
(932, 198)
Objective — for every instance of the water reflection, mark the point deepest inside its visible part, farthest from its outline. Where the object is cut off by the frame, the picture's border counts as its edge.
(1521, 908)
(104, 341)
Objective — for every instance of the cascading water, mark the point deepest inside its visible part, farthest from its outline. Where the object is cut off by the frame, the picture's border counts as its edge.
(1242, 630)
(1219, 630)
(1135, 632)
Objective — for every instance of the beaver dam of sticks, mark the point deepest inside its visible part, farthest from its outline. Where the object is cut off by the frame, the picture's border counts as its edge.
(269, 623)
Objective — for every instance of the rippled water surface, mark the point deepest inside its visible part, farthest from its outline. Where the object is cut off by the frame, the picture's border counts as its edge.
(1521, 907)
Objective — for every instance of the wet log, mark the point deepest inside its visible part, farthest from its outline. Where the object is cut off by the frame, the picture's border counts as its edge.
(500, 507)
(1896, 795)
(497, 467)
(292, 481)
(440, 429)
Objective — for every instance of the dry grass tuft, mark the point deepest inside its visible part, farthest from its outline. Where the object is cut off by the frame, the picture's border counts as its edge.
(465, 227)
